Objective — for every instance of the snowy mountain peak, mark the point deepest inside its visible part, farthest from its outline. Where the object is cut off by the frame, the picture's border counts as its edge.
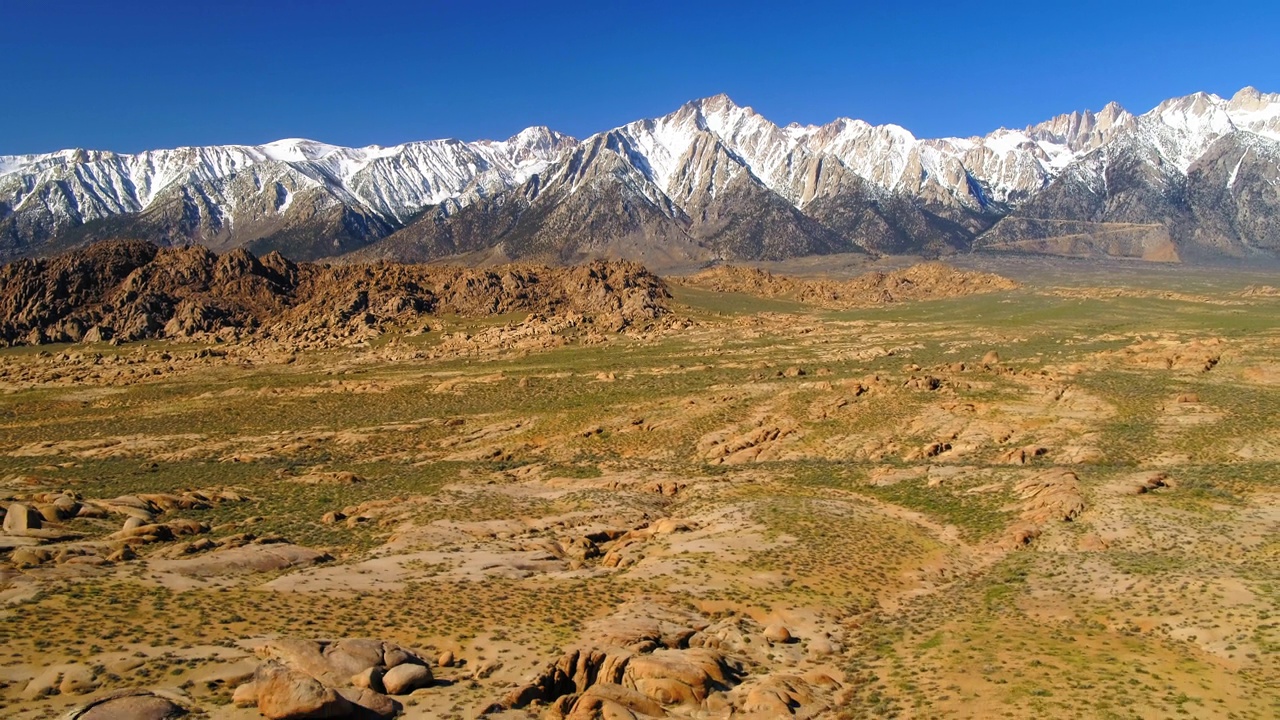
(538, 136)
(718, 104)
(1249, 99)
(297, 150)
(1248, 109)
(1183, 128)
(1196, 113)
(1256, 112)
(531, 148)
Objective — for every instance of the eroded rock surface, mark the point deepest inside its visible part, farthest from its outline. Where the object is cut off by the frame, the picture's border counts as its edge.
(126, 290)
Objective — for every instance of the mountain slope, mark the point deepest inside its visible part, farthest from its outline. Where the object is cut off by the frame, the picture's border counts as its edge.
(274, 195)
(1234, 196)
(592, 203)
(1156, 187)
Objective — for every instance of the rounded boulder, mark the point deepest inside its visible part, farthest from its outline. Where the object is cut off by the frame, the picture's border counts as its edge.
(404, 679)
(777, 633)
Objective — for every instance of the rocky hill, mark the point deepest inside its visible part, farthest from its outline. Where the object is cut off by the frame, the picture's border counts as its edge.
(130, 290)
(925, 281)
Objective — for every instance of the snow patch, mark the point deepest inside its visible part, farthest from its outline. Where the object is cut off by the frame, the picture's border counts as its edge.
(284, 198)
(12, 163)
(1235, 171)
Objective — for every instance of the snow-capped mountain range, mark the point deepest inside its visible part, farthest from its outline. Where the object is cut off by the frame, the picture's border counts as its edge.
(712, 179)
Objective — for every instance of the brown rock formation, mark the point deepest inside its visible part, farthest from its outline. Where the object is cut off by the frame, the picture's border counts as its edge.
(127, 290)
(918, 282)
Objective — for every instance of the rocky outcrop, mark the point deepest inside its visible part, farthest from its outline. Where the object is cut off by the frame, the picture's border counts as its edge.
(607, 700)
(1049, 496)
(229, 558)
(132, 290)
(332, 679)
(336, 662)
(130, 705)
(35, 520)
(284, 694)
(778, 696)
(918, 282)
(404, 679)
(646, 661)
(1052, 495)
(682, 677)
(19, 519)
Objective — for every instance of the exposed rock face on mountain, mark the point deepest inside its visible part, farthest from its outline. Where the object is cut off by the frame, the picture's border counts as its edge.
(710, 181)
(1121, 200)
(593, 203)
(884, 222)
(1084, 131)
(1192, 179)
(132, 290)
(1234, 196)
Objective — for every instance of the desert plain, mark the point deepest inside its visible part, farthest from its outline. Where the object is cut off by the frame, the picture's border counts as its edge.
(1023, 489)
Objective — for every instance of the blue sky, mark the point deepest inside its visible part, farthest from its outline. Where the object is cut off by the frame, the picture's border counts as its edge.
(128, 75)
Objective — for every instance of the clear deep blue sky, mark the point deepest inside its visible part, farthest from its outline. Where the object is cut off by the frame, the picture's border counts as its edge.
(131, 74)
